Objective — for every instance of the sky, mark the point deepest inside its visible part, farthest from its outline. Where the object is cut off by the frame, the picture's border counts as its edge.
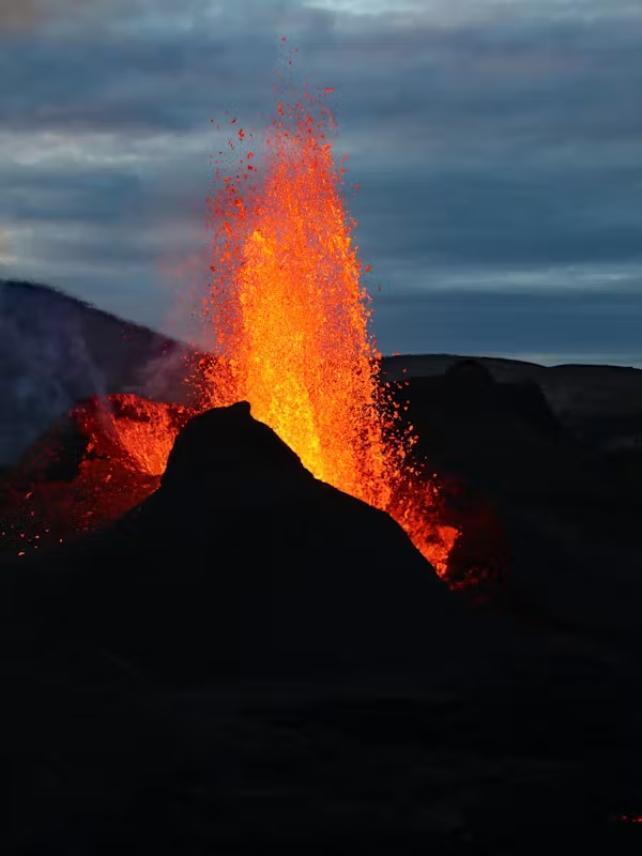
(497, 145)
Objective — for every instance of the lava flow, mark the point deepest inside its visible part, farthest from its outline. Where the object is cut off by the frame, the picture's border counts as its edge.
(290, 324)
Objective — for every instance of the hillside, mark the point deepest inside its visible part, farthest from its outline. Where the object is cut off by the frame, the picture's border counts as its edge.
(602, 404)
(56, 350)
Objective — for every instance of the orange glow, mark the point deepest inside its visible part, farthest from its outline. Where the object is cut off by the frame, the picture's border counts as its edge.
(122, 450)
(142, 431)
(290, 320)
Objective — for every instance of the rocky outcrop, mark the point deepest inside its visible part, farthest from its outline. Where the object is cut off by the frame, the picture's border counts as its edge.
(243, 562)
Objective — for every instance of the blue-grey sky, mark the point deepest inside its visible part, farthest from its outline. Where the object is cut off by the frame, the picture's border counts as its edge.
(497, 145)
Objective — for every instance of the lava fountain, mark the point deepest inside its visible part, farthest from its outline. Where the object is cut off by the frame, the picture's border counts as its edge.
(288, 320)
(290, 323)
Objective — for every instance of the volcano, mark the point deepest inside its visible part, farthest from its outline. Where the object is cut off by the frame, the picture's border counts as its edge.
(288, 323)
(241, 561)
(229, 620)
(248, 638)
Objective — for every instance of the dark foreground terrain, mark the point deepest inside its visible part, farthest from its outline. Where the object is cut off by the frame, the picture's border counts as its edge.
(250, 661)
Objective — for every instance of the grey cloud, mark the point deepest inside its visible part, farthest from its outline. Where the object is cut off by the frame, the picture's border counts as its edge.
(481, 146)
(486, 323)
(38, 194)
(540, 85)
(20, 15)
(500, 216)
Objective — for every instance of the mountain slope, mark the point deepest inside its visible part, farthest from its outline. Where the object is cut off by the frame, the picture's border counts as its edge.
(56, 350)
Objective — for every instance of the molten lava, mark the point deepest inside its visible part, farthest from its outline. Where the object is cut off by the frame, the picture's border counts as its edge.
(290, 320)
(136, 432)
(105, 457)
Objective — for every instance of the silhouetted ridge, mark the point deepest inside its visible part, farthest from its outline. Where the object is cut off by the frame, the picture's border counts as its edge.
(241, 563)
(230, 455)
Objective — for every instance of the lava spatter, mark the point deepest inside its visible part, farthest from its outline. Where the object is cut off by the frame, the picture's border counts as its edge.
(290, 323)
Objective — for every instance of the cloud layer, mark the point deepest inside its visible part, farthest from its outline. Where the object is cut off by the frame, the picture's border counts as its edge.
(497, 145)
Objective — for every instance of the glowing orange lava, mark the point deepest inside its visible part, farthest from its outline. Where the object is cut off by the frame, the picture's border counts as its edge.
(134, 431)
(290, 320)
(100, 461)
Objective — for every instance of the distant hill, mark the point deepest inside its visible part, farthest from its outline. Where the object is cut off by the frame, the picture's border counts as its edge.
(600, 404)
(55, 350)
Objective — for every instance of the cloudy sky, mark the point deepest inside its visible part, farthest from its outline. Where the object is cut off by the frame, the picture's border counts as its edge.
(497, 145)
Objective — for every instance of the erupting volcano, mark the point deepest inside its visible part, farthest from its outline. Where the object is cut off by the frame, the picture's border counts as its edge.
(290, 320)
(288, 324)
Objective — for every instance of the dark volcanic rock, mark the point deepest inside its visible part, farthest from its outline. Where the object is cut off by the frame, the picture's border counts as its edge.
(221, 672)
(243, 561)
(570, 516)
(600, 404)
